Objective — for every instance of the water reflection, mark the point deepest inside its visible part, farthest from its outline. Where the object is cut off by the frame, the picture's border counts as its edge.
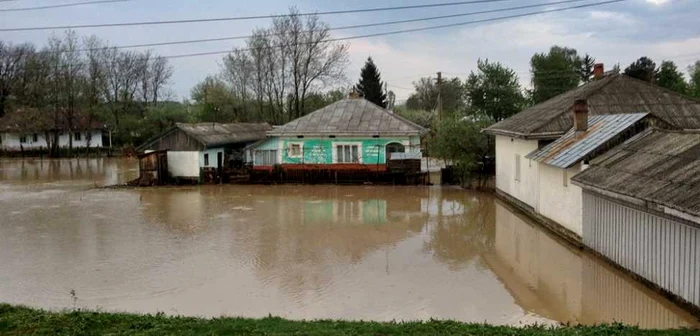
(95, 171)
(359, 252)
(557, 282)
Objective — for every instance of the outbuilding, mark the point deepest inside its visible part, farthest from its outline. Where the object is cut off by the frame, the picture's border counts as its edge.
(194, 148)
(641, 209)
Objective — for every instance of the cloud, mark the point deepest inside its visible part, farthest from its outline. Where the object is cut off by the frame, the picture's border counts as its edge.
(614, 17)
(658, 2)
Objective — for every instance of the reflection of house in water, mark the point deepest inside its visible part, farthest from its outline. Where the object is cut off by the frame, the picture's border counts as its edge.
(554, 281)
(299, 234)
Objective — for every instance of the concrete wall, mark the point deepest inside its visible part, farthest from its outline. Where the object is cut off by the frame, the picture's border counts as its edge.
(11, 141)
(526, 189)
(183, 164)
(558, 201)
(213, 161)
(662, 250)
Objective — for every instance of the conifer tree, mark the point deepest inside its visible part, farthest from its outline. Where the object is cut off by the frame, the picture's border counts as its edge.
(370, 85)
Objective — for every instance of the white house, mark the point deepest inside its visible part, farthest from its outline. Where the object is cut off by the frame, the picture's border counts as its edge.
(32, 130)
(194, 147)
(542, 189)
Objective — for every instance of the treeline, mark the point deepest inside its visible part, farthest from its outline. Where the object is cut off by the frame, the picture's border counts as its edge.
(72, 77)
(282, 74)
(493, 93)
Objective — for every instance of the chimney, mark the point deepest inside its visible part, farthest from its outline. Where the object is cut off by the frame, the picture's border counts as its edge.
(580, 115)
(598, 71)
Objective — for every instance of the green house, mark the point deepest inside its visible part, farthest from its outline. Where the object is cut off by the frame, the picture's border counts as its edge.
(351, 134)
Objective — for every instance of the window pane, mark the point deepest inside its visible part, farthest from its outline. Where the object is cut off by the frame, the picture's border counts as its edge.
(339, 151)
(355, 154)
(348, 155)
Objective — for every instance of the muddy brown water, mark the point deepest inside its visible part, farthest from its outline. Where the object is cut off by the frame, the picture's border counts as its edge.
(300, 252)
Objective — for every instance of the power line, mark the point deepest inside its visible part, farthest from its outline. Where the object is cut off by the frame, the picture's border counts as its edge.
(218, 39)
(396, 32)
(403, 31)
(253, 17)
(72, 4)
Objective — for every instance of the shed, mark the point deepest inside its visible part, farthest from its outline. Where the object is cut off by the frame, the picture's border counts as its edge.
(641, 209)
(193, 147)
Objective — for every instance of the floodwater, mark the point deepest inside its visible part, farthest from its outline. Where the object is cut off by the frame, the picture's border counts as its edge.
(300, 252)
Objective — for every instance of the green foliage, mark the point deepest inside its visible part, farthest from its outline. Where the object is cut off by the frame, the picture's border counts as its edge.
(425, 97)
(554, 72)
(644, 68)
(25, 321)
(420, 117)
(694, 85)
(370, 85)
(317, 100)
(494, 91)
(669, 77)
(459, 140)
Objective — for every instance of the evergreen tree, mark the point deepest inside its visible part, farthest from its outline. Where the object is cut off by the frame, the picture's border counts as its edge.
(670, 78)
(694, 85)
(370, 85)
(643, 68)
(587, 64)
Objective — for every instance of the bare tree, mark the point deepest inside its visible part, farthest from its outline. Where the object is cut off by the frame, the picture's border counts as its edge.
(12, 62)
(160, 73)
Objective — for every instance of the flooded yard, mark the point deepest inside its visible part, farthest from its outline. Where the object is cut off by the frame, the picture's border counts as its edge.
(300, 252)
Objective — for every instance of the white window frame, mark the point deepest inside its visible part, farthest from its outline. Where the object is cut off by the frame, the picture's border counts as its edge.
(289, 150)
(517, 168)
(257, 153)
(348, 143)
(23, 139)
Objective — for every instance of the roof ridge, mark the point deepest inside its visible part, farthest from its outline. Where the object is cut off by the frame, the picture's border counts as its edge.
(398, 117)
(609, 79)
(661, 88)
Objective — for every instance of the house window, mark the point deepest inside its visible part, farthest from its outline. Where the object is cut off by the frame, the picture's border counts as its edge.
(206, 160)
(77, 136)
(517, 167)
(265, 157)
(88, 136)
(566, 178)
(35, 137)
(348, 154)
(22, 139)
(295, 150)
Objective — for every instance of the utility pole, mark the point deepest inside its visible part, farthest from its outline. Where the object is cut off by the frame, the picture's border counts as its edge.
(439, 97)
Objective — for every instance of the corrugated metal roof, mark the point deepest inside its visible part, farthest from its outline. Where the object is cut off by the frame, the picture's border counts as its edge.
(616, 94)
(349, 117)
(657, 166)
(573, 147)
(214, 134)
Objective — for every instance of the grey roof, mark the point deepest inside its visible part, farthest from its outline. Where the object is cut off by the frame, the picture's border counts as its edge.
(615, 94)
(573, 147)
(349, 117)
(657, 166)
(215, 134)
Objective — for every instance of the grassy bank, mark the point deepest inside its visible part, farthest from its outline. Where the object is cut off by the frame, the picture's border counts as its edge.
(25, 321)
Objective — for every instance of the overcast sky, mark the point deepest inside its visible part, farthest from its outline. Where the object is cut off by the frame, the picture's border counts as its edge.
(612, 33)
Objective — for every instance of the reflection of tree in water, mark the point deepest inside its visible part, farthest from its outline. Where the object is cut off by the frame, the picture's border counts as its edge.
(458, 239)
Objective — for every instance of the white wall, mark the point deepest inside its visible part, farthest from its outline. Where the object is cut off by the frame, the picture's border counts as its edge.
(212, 152)
(526, 188)
(558, 202)
(10, 141)
(183, 164)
